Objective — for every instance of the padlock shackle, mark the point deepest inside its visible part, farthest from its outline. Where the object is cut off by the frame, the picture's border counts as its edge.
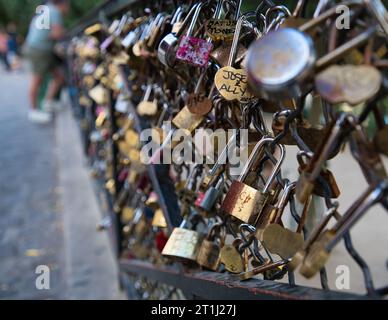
(187, 20)
(283, 12)
(236, 38)
(252, 160)
(327, 14)
(298, 8)
(276, 170)
(379, 11)
(320, 6)
(147, 92)
(222, 156)
(176, 16)
(281, 205)
(197, 11)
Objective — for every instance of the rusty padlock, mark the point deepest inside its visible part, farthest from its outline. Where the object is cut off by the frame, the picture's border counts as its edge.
(245, 202)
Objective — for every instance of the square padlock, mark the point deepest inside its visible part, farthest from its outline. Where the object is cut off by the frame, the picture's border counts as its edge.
(194, 51)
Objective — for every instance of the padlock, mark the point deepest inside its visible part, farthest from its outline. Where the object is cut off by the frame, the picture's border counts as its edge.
(211, 196)
(319, 252)
(245, 202)
(197, 102)
(186, 120)
(332, 191)
(295, 20)
(298, 258)
(112, 43)
(93, 29)
(264, 269)
(121, 199)
(156, 30)
(232, 258)
(281, 241)
(216, 170)
(282, 72)
(137, 49)
(348, 83)
(209, 252)
(232, 83)
(307, 179)
(183, 244)
(132, 139)
(127, 214)
(159, 220)
(99, 95)
(271, 213)
(168, 45)
(191, 50)
(312, 136)
(221, 54)
(146, 107)
(220, 29)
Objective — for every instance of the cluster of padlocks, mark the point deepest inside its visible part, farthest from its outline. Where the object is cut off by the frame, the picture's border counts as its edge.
(212, 65)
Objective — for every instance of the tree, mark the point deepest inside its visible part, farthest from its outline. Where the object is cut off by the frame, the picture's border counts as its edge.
(20, 12)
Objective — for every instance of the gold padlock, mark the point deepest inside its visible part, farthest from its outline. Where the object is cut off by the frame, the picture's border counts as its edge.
(183, 244)
(100, 95)
(187, 120)
(209, 252)
(159, 221)
(245, 202)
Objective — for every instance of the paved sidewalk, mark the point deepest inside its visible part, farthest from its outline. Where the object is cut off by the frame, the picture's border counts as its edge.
(48, 211)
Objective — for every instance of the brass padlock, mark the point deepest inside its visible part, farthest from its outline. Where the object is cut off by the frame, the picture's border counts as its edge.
(187, 120)
(99, 95)
(232, 83)
(232, 258)
(209, 252)
(272, 213)
(159, 221)
(306, 182)
(245, 202)
(147, 107)
(183, 244)
(332, 190)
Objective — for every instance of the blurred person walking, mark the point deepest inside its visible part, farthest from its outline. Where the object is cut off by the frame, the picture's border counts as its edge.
(4, 49)
(13, 47)
(39, 50)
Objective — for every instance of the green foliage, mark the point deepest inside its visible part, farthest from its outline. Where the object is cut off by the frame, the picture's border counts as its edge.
(20, 12)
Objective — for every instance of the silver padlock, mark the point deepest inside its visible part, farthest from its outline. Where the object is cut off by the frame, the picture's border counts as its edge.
(168, 45)
(212, 195)
(281, 64)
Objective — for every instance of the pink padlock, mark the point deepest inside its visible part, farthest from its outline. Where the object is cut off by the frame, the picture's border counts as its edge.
(194, 51)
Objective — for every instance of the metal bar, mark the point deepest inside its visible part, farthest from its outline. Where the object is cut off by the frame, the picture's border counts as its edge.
(166, 195)
(218, 286)
(117, 224)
